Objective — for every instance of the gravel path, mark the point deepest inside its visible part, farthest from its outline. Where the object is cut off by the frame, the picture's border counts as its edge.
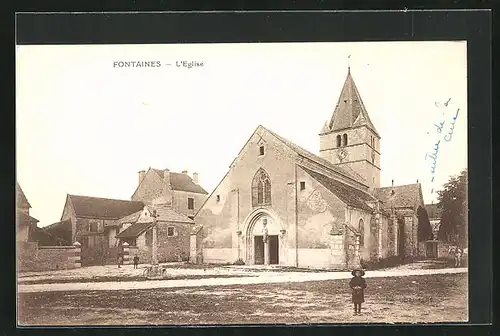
(263, 277)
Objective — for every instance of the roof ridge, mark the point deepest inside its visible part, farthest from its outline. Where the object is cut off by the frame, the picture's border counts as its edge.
(105, 198)
(330, 184)
(323, 162)
(348, 186)
(400, 185)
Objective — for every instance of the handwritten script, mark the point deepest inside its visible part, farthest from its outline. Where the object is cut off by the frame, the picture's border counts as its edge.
(442, 125)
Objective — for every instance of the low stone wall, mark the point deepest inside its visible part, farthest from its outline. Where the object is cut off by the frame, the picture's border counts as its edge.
(32, 257)
(130, 251)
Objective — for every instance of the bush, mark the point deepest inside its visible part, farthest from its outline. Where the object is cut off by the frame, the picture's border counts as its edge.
(371, 265)
(239, 262)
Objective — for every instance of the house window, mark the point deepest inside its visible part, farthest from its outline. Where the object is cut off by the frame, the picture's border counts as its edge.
(345, 139)
(302, 185)
(261, 188)
(361, 233)
(261, 150)
(218, 198)
(93, 226)
(190, 203)
(339, 140)
(170, 231)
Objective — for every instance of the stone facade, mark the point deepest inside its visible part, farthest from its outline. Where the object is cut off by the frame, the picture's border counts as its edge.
(280, 204)
(162, 187)
(305, 219)
(361, 154)
(173, 243)
(32, 257)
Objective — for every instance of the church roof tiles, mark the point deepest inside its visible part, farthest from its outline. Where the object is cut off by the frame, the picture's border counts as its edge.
(350, 110)
(346, 171)
(403, 196)
(347, 194)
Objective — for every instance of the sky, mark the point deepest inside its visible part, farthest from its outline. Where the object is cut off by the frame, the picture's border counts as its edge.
(86, 126)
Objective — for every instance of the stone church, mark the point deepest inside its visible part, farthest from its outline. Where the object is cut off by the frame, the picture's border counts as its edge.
(281, 204)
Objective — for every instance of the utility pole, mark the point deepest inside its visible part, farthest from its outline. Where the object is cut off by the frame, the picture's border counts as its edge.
(155, 240)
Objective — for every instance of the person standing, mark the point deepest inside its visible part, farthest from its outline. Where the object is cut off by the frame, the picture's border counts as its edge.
(120, 260)
(136, 261)
(358, 285)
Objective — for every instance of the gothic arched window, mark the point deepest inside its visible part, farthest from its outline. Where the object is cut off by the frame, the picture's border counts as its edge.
(345, 139)
(361, 233)
(339, 140)
(261, 188)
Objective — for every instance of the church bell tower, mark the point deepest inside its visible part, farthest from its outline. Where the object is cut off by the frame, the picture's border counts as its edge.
(349, 139)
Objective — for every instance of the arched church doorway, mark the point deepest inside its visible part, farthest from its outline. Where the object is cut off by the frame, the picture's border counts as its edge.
(263, 243)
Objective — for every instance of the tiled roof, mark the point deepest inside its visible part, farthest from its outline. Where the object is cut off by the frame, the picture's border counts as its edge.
(182, 182)
(404, 196)
(347, 194)
(131, 218)
(22, 217)
(166, 214)
(105, 208)
(66, 224)
(350, 110)
(21, 199)
(134, 230)
(46, 238)
(433, 211)
(59, 231)
(319, 160)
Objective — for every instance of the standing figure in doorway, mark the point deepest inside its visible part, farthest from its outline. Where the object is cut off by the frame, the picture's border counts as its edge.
(358, 285)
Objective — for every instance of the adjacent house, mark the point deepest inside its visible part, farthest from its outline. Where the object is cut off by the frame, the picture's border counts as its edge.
(93, 222)
(173, 233)
(102, 225)
(26, 225)
(178, 191)
(281, 204)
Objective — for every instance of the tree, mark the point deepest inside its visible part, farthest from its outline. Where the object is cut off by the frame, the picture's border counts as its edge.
(452, 201)
(424, 226)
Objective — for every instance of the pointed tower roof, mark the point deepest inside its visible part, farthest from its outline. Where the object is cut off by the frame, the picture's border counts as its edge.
(350, 110)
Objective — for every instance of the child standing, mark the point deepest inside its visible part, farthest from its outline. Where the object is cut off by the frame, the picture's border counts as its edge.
(136, 261)
(358, 285)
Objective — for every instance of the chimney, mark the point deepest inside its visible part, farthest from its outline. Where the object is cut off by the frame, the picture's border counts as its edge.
(393, 182)
(195, 178)
(142, 173)
(417, 181)
(166, 176)
(185, 172)
(167, 191)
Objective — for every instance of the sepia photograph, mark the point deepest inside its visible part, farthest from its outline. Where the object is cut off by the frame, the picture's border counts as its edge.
(241, 183)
